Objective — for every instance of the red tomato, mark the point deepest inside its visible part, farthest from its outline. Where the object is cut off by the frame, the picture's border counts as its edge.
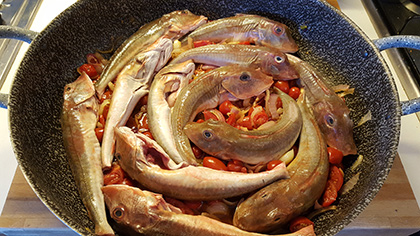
(245, 122)
(283, 86)
(102, 120)
(231, 120)
(148, 134)
(114, 176)
(128, 182)
(336, 176)
(272, 164)
(106, 95)
(197, 151)
(335, 156)
(88, 69)
(209, 115)
(245, 43)
(330, 194)
(259, 118)
(237, 166)
(99, 134)
(195, 205)
(294, 92)
(279, 103)
(299, 223)
(200, 121)
(225, 107)
(214, 163)
(105, 111)
(200, 43)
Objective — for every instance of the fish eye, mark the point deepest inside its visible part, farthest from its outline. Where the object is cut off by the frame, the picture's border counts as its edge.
(277, 30)
(329, 120)
(184, 11)
(278, 59)
(118, 213)
(207, 134)
(245, 77)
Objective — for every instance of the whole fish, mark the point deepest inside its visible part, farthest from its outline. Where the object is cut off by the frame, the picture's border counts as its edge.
(131, 85)
(78, 121)
(173, 26)
(140, 212)
(271, 61)
(142, 159)
(222, 140)
(205, 93)
(276, 204)
(331, 112)
(246, 28)
(162, 95)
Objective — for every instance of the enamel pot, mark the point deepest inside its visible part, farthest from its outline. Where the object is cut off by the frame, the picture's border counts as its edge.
(326, 38)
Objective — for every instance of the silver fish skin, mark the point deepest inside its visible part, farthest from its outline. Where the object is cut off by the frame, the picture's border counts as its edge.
(162, 95)
(131, 85)
(331, 112)
(246, 28)
(271, 61)
(222, 140)
(205, 92)
(78, 122)
(141, 160)
(140, 212)
(276, 204)
(173, 25)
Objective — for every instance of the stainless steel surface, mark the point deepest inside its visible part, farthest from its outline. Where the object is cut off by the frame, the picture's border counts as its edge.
(15, 13)
(412, 5)
(404, 73)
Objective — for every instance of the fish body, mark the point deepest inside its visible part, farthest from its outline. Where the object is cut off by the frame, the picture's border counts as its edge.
(276, 204)
(140, 212)
(330, 111)
(222, 140)
(205, 93)
(271, 61)
(140, 157)
(78, 121)
(246, 28)
(173, 25)
(131, 85)
(162, 95)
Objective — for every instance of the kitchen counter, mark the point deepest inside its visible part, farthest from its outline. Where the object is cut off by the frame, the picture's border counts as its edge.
(394, 211)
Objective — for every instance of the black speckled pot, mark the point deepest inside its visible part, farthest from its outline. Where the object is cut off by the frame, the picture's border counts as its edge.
(326, 39)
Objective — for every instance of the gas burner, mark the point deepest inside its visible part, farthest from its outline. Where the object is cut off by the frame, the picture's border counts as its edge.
(412, 5)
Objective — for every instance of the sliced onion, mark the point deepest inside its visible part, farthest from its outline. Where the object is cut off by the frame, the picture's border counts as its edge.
(349, 185)
(288, 157)
(102, 106)
(271, 106)
(365, 118)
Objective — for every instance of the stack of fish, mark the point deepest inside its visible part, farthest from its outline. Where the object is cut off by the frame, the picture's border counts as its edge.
(166, 165)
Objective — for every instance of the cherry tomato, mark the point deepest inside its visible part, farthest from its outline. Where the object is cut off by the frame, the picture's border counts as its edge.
(200, 43)
(336, 176)
(259, 118)
(335, 156)
(272, 164)
(245, 122)
(88, 69)
(231, 120)
(200, 121)
(105, 111)
(225, 107)
(197, 151)
(106, 95)
(283, 86)
(99, 134)
(279, 103)
(148, 134)
(214, 163)
(294, 92)
(209, 115)
(299, 222)
(128, 182)
(330, 194)
(102, 120)
(245, 43)
(114, 176)
(237, 166)
(195, 205)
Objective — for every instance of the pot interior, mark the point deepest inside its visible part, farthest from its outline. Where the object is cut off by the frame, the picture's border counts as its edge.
(326, 39)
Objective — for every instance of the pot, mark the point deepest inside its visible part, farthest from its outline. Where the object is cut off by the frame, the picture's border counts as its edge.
(326, 38)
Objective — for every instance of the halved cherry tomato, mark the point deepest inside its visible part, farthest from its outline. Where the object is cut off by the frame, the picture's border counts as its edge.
(214, 163)
(105, 111)
(200, 121)
(99, 134)
(273, 163)
(258, 117)
(88, 69)
(195, 205)
(245, 122)
(299, 222)
(245, 43)
(336, 176)
(294, 92)
(279, 103)
(197, 151)
(330, 194)
(201, 43)
(237, 166)
(102, 120)
(225, 107)
(335, 156)
(106, 95)
(209, 115)
(231, 120)
(283, 86)
(114, 176)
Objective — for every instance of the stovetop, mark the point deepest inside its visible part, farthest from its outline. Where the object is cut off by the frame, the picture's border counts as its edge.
(14, 13)
(399, 17)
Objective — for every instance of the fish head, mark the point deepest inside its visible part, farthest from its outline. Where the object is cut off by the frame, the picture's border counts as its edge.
(245, 82)
(277, 35)
(78, 91)
(130, 207)
(127, 148)
(206, 136)
(276, 63)
(184, 21)
(336, 126)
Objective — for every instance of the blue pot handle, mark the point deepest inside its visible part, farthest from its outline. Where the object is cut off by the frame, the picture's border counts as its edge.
(406, 41)
(12, 32)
